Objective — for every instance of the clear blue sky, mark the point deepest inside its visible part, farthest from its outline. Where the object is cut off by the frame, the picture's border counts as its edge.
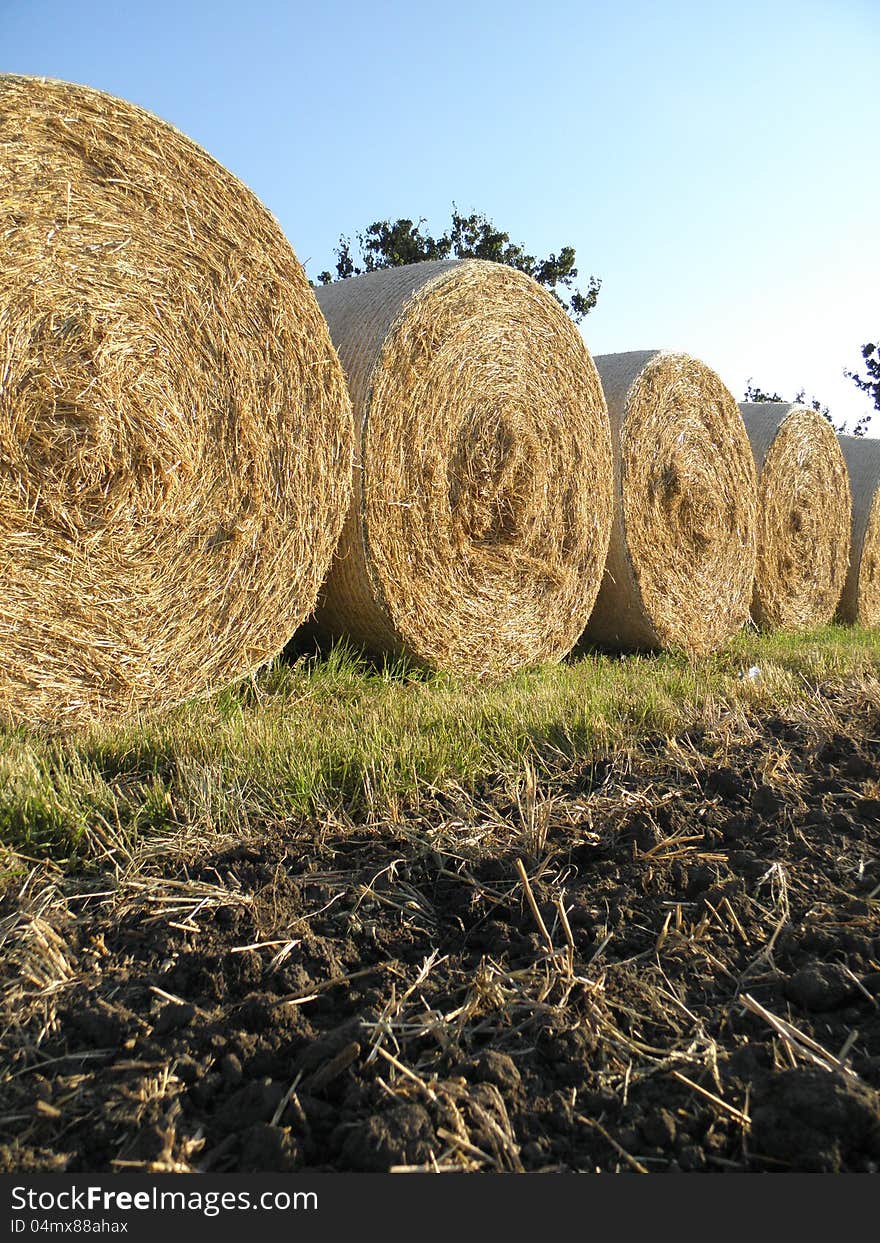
(715, 164)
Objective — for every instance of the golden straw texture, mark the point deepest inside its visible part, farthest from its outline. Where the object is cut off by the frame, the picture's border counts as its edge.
(482, 505)
(175, 433)
(682, 554)
(860, 601)
(803, 515)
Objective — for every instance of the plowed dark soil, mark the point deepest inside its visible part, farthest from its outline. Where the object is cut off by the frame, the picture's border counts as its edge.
(696, 987)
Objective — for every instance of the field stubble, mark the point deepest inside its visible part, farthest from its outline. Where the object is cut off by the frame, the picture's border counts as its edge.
(655, 947)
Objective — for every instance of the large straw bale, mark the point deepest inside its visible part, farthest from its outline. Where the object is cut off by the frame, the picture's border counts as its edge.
(682, 554)
(860, 600)
(482, 505)
(803, 515)
(175, 433)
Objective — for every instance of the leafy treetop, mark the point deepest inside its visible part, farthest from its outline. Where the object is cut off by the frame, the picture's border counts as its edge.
(755, 393)
(869, 383)
(389, 244)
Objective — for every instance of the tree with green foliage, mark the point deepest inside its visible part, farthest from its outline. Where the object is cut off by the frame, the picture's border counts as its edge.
(801, 399)
(755, 393)
(390, 244)
(869, 383)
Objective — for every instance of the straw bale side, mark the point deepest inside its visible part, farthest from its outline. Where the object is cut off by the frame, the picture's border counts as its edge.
(804, 511)
(479, 525)
(860, 600)
(682, 553)
(175, 431)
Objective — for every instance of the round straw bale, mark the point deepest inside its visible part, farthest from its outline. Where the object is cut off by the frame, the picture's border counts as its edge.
(175, 432)
(860, 600)
(682, 553)
(482, 505)
(803, 515)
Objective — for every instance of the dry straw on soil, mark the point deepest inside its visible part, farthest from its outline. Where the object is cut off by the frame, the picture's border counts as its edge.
(860, 601)
(175, 432)
(482, 506)
(682, 554)
(803, 515)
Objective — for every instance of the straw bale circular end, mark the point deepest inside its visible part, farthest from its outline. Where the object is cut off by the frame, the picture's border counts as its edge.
(682, 552)
(804, 513)
(860, 600)
(175, 432)
(482, 505)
